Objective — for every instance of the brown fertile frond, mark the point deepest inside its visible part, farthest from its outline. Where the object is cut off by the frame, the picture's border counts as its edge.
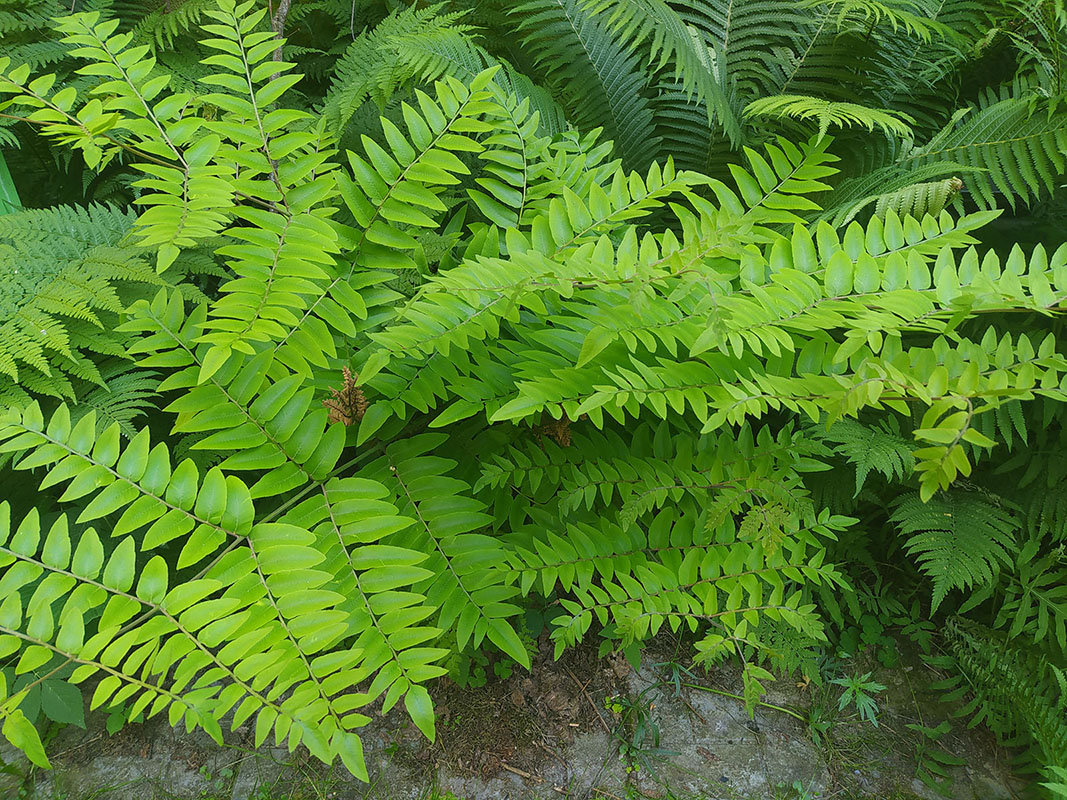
(348, 404)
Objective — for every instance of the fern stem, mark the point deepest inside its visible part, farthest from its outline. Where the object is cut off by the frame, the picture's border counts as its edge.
(273, 515)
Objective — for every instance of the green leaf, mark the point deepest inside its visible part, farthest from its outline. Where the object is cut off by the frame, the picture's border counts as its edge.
(22, 734)
(595, 341)
(839, 272)
(121, 567)
(62, 702)
(503, 636)
(152, 585)
(420, 707)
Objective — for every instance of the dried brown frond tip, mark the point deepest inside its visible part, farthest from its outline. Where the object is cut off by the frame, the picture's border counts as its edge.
(348, 404)
(559, 430)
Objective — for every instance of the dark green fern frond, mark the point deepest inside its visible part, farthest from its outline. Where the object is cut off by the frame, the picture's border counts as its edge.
(1017, 692)
(822, 60)
(601, 83)
(1038, 31)
(751, 40)
(419, 46)
(39, 55)
(185, 67)
(1009, 148)
(681, 124)
(654, 25)
(372, 67)
(922, 79)
(959, 538)
(350, 16)
(1046, 514)
(871, 447)
(1016, 142)
(1038, 473)
(162, 25)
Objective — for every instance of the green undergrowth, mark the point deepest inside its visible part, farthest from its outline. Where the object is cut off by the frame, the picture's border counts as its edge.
(349, 346)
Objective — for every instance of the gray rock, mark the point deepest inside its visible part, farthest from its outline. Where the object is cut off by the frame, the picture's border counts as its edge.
(717, 753)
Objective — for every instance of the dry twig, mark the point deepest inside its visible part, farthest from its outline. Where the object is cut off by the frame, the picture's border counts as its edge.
(585, 694)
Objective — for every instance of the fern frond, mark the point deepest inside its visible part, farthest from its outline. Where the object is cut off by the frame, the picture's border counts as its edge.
(161, 26)
(455, 52)
(379, 61)
(600, 81)
(63, 272)
(906, 15)
(880, 448)
(920, 199)
(681, 124)
(616, 366)
(1037, 31)
(1021, 695)
(66, 231)
(750, 41)
(1015, 149)
(827, 113)
(960, 539)
(127, 395)
(654, 26)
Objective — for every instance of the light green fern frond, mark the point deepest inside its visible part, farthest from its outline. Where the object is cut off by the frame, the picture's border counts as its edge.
(920, 199)
(829, 114)
(62, 271)
(906, 15)
(67, 231)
